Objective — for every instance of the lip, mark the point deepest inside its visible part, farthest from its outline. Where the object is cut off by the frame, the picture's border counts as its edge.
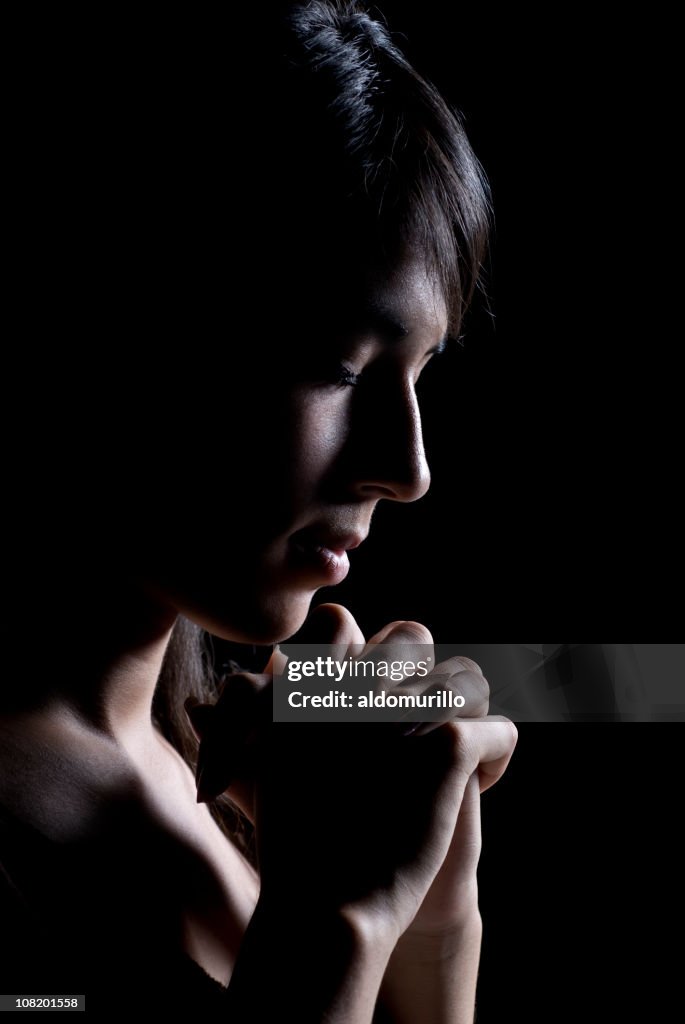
(320, 552)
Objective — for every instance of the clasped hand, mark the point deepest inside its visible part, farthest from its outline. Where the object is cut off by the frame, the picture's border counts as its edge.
(361, 818)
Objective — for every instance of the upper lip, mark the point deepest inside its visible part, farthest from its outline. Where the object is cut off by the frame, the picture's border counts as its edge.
(330, 538)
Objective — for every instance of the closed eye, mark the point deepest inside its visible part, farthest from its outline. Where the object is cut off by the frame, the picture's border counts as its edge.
(433, 353)
(345, 377)
(439, 348)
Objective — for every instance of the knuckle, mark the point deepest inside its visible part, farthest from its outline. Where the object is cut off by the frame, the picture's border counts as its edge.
(461, 745)
(475, 691)
(336, 619)
(240, 687)
(471, 666)
(480, 685)
(482, 707)
(465, 672)
(411, 632)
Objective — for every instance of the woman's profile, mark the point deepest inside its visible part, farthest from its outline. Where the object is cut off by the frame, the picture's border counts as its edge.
(255, 279)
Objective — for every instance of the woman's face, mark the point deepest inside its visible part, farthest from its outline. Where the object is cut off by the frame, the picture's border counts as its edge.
(292, 455)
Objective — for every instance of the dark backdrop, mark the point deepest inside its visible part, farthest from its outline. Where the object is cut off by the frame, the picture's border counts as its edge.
(550, 438)
(552, 433)
(554, 437)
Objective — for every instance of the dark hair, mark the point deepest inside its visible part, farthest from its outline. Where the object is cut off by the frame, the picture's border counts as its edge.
(188, 671)
(369, 153)
(361, 155)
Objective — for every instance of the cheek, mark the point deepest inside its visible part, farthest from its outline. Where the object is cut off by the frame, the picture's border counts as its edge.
(320, 426)
(252, 481)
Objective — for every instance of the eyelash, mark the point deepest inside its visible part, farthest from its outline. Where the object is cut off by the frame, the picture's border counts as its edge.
(344, 377)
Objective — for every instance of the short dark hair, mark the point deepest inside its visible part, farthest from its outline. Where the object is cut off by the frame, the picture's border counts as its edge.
(325, 145)
(370, 154)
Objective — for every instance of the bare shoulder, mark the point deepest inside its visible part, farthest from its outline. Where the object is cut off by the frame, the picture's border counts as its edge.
(87, 827)
(57, 779)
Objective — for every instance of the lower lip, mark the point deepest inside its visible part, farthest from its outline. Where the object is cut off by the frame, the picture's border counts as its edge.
(330, 566)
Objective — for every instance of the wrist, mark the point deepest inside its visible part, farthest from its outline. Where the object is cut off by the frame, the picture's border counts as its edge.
(364, 928)
(450, 912)
(441, 942)
(432, 975)
(373, 933)
(324, 962)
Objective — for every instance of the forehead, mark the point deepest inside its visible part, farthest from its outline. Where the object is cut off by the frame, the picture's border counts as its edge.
(411, 295)
(394, 302)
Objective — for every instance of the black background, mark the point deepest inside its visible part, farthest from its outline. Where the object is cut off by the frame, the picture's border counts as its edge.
(550, 436)
(551, 432)
(554, 439)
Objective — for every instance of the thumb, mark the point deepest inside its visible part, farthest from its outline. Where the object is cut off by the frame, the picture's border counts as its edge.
(332, 624)
(276, 664)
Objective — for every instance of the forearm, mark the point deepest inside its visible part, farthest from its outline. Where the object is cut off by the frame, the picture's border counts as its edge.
(315, 968)
(431, 978)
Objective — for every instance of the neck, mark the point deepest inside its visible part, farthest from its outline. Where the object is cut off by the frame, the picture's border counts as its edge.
(118, 634)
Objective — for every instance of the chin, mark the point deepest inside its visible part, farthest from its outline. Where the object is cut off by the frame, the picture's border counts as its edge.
(262, 622)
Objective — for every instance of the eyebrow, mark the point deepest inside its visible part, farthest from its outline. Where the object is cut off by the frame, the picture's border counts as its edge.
(382, 320)
(388, 327)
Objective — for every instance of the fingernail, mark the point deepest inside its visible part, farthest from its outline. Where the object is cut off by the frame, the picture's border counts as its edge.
(425, 728)
(409, 730)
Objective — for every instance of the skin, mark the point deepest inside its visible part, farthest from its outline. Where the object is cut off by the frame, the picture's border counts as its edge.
(354, 446)
(329, 453)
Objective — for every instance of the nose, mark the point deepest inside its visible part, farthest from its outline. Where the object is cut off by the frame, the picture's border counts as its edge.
(389, 459)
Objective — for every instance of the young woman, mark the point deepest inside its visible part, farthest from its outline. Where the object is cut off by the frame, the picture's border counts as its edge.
(248, 402)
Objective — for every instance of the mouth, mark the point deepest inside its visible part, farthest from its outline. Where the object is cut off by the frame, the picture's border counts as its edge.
(321, 552)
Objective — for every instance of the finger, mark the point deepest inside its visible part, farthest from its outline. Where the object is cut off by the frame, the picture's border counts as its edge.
(465, 849)
(465, 679)
(405, 645)
(493, 740)
(468, 664)
(460, 675)
(276, 664)
(242, 698)
(466, 700)
(333, 625)
(403, 631)
(485, 745)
